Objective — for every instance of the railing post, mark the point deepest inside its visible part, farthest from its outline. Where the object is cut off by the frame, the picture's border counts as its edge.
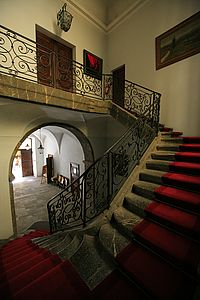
(110, 176)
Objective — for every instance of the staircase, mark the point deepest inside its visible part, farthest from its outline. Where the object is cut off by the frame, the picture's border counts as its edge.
(148, 249)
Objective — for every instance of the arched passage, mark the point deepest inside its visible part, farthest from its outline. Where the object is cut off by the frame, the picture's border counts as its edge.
(56, 138)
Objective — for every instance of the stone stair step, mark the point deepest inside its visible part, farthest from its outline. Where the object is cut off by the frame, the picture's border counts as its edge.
(169, 244)
(112, 240)
(160, 165)
(60, 245)
(177, 180)
(71, 248)
(163, 155)
(177, 167)
(176, 140)
(145, 189)
(152, 176)
(90, 262)
(172, 133)
(168, 147)
(136, 204)
(52, 240)
(125, 221)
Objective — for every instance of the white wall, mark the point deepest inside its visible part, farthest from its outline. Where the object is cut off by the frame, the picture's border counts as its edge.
(70, 151)
(23, 15)
(133, 44)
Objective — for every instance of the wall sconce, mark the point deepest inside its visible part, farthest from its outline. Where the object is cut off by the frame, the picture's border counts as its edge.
(64, 18)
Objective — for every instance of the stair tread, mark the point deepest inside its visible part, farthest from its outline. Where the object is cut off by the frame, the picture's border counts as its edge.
(154, 274)
(179, 249)
(136, 203)
(125, 220)
(181, 220)
(90, 263)
(112, 240)
(23, 279)
(60, 280)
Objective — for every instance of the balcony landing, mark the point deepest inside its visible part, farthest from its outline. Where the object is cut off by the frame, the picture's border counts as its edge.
(23, 90)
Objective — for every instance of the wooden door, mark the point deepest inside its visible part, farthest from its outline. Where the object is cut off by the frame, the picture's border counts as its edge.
(27, 162)
(119, 85)
(63, 67)
(45, 59)
(54, 63)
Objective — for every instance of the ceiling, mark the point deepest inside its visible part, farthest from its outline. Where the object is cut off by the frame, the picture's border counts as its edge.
(107, 12)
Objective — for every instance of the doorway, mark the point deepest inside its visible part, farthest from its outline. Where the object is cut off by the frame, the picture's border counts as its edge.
(27, 162)
(23, 160)
(54, 63)
(119, 85)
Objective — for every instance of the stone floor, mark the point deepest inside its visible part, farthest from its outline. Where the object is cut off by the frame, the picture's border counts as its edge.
(30, 198)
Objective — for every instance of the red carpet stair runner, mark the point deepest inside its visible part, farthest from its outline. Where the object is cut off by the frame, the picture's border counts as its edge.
(152, 242)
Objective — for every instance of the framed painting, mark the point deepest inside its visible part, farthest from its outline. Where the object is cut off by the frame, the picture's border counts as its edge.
(92, 65)
(179, 42)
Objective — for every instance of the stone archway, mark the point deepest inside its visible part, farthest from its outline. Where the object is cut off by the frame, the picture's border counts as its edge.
(86, 147)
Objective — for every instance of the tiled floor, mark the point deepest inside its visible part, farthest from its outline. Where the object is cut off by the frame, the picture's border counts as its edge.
(30, 198)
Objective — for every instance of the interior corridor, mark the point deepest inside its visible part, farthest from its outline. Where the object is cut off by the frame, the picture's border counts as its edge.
(30, 198)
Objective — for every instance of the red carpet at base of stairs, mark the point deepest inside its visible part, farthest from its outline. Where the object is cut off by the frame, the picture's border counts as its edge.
(180, 220)
(177, 248)
(152, 272)
(9, 273)
(43, 275)
(188, 156)
(182, 198)
(182, 180)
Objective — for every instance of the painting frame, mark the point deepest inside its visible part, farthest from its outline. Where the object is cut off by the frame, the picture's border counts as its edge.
(93, 65)
(179, 42)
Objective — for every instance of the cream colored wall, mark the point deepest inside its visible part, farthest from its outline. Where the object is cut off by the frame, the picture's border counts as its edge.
(23, 15)
(133, 44)
(19, 119)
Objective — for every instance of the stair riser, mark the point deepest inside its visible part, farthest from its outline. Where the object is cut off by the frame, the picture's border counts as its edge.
(143, 192)
(151, 178)
(168, 148)
(171, 168)
(168, 157)
(189, 233)
(175, 183)
(172, 140)
(133, 208)
(159, 167)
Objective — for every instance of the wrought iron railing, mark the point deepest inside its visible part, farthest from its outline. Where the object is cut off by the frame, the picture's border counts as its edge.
(21, 57)
(94, 190)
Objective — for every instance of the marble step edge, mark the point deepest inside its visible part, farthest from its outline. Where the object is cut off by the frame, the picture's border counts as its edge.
(42, 239)
(50, 241)
(60, 244)
(173, 140)
(161, 165)
(143, 189)
(164, 155)
(124, 220)
(91, 263)
(168, 147)
(71, 248)
(169, 133)
(112, 240)
(153, 176)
